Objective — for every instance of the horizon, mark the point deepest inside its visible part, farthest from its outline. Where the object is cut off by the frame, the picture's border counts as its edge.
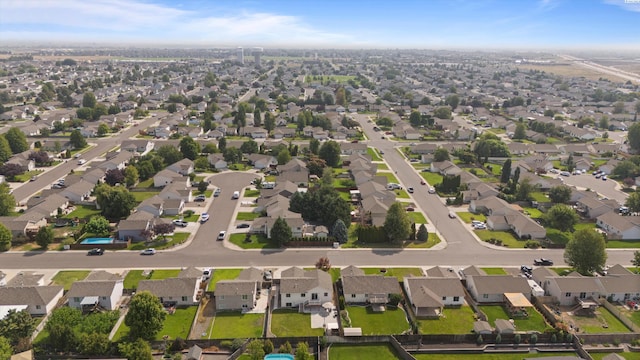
(489, 25)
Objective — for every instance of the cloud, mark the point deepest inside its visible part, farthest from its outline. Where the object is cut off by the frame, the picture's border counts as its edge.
(547, 5)
(629, 5)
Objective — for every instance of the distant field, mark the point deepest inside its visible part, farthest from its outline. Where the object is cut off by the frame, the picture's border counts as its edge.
(571, 71)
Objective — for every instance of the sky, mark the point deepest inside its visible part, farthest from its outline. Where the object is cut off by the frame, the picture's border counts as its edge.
(435, 24)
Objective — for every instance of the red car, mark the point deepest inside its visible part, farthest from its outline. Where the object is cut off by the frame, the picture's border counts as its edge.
(422, 182)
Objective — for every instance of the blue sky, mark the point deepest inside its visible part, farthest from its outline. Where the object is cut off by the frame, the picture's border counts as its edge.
(488, 24)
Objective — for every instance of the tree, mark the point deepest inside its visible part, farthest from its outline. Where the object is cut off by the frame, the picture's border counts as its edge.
(93, 343)
(131, 176)
(570, 163)
(443, 112)
(7, 201)
(103, 129)
(5, 149)
(202, 186)
(137, 350)
(17, 140)
(415, 119)
(585, 252)
(44, 237)
(5, 348)
(323, 264)
(397, 224)
(232, 155)
(164, 229)
(285, 348)
(145, 316)
(269, 121)
(189, 148)
(330, 152)
(506, 172)
(170, 154)
(524, 189)
(240, 120)
(84, 113)
(89, 100)
(618, 107)
(302, 351)
(562, 217)
(281, 232)
(116, 202)
(453, 101)
(423, 234)
(98, 225)
(222, 144)
(636, 259)
(5, 238)
(41, 158)
(11, 170)
(16, 326)
(441, 154)
(633, 202)
(114, 176)
(314, 146)
(77, 140)
(520, 132)
(339, 231)
(257, 118)
(560, 194)
(316, 166)
(249, 147)
(633, 136)
(60, 327)
(284, 156)
(604, 123)
(256, 350)
(268, 346)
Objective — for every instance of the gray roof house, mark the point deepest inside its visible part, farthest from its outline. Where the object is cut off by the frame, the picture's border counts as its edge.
(305, 287)
(87, 294)
(428, 296)
(491, 288)
(179, 291)
(40, 300)
(240, 293)
(373, 289)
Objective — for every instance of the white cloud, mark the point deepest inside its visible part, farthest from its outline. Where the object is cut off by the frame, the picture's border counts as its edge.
(629, 5)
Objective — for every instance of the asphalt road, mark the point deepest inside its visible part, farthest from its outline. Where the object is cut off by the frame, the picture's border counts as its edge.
(608, 188)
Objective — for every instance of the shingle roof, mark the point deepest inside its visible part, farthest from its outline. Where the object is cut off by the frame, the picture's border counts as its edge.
(169, 287)
(91, 288)
(499, 284)
(31, 295)
(370, 284)
(235, 287)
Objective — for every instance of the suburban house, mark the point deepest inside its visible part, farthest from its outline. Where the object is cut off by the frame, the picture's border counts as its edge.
(87, 294)
(36, 300)
(137, 146)
(619, 227)
(261, 161)
(182, 167)
(133, 229)
(592, 207)
(240, 293)
(217, 161)
(305, 287)
(491, 288)
(502, 216)
(348, 148)
(571, 290)
(165, 177)
(78, 192)
(359, 288)
(183, 290)
(429, 296)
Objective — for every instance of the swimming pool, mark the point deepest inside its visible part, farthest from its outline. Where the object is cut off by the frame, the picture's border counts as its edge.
(97, 241)
(279, 357)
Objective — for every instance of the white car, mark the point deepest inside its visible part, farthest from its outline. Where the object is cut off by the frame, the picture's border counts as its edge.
(204, 217)
(222, 235)
(149, 251)
(476, 222)
(180, 223)
(432, 190)
(481, 226)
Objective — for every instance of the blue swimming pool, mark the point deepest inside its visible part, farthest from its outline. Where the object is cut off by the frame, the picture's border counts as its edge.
(97, 241)
(279, 357)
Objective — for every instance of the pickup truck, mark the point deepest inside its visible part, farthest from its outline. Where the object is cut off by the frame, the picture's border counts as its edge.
(542, 262)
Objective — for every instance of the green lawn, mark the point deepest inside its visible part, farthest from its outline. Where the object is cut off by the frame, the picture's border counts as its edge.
(535, 321)
(626, 355)
(399, 273)
(162, 243)
(391, 178)
(83, 212)
(401, 194)
(500, 356)
(454, 321)
(164, 274)
(392, 321)
(432, 240)
(229, 325)
(178, 324)
(468, 217)
(27, 175)
(258, 241)
(141, 196)
(247, 216)
(251, 193)
(432, 179)
(539, 196)
(507, 238)
(533, 212)
(286, 322)
(494, 271)
(192, 218)
(222, 274)
(382, 166)
(145, 184)
(418, 217)
(623, 244)
(375, 156)
(133, 278)
(362, 352)
(597, 325)
(66, 278)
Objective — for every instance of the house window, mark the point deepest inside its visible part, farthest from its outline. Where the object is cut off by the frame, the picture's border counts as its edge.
(245, 297)
(221, 297)
(456, 298)
(314, 296)
(76, 299)
(287, 304)
(444, 298)
(287, 295)
(485, 296)
(583, 295)
(326, 294)
(303, 295)
(567, 294)
(353, 295)
(37, 307)
(104, 298)
(244, 305)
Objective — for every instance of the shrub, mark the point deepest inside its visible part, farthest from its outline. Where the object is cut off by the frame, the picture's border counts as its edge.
(188, 213)
(534, 339)
(498, 339)
(532, 244)
(517, 339)
(237, 344)
(479, 340)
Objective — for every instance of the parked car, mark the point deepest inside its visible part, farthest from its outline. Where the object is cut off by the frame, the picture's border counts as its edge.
(604, 177)
(33, 178)
(422, 182)
(410, 190)
(565, 173)
(222, 235)
(476, 222)
(267, 275)
(481, 226)
(452, 215)
(206, 274)
(236, 195)
(217, 192)
(96, 251)
(204, 217)
(200, 198)
(243, 226)
(526, 269)
(432, 190)
(149, 251)
(542, 262)
(180, 223)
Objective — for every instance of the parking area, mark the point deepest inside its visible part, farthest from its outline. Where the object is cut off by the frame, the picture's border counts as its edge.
(606, 188)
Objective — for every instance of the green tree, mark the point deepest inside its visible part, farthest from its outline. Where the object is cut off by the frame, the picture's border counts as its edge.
(7, 201)
(256, 350)
(202, 186)
(560, 194)
(115, 202)
(17, 326)
(131, 176)
(625, 169)
(281, 232)
(44, 237)
(5, 150)
(330, 152)
(339, 231)
(5, 349)
(145, 316)
(60, 327)
(89, 100)
(314, 146)
(453, 101)
(585, 252)
(604, 123)
(397, 224)
(98, 225)
(232, 155)
(222, 144)
(103, 129)
(633, 136)
(505, 175)
(269, 121)
(169, 154)
(285, 348)
(240, 120)
(618, 107)
(189, 148)
(633, 202)
(562, 217)
(423, 234)
(520, 132)
(268, 347)
(284, 156)
(441, 154)
(84, 113)
(415, 119)
(93, 343)
(77, 140)
(249, 147)
(302, 351)
(443, 112)
(137, 350)
(257, 118)
(524, 190)
(5, 238)
(17, 140)
(636, 259)
(570, 163)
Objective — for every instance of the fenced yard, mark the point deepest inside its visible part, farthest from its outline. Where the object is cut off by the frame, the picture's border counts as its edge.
(390, 322)
(534, 322)
(453, 321)
(234, 324)
(287, 322)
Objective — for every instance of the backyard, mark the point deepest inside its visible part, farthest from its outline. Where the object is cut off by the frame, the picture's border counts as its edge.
(535, 321)
(457, 320)
(364, 352)
(603, 322)
(390, 322)
(83, 212)
(233, 325)
(175, 325)
(287, 322)
(500, 356)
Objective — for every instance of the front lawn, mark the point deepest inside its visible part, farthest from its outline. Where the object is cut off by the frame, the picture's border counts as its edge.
(141, 196)
(133, 278)
(432, 240)
(66, 278)
(467, 217)
(164, 274)
(496, 356)
(222, 274)
(161, 243)
(375, 156)
(399, 273)
(83, 212)
(24, 177)
(391, 178)
(247, 216)
(234, 325)
(287, 322)
(418, 217)
(251, 193)
(389, 322)
(494, 271)
(401, 194)
(382, 166)
(363, 352)
(539, 197)
(258, 241)
(506, 237)
(178, 324)
(533, 212)
(454, 321)
(145, 184)
(535, 321)
(603, 322)
(432, 179)
(623, 244)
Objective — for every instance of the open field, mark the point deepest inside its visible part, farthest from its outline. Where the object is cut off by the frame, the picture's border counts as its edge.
(570, 71)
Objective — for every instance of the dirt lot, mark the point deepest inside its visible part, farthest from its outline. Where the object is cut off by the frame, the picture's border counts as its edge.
(571, 71)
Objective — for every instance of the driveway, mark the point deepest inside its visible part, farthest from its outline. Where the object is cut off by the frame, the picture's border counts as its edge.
(609, 188)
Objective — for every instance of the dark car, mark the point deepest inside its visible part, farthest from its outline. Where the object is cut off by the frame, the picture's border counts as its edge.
(526, 269)
(243, 226)
(542, 262)
(96, 251)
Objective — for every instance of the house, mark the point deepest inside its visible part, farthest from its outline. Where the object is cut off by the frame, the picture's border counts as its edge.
(621, 286)
(619, 227)
(445, 168)
(569, 290)
(491, 288)
(78, 192)
(261, 161)
(182, 167)
(348, 148)
(165, 177)
(240, 293)
(87, 294)
(179, 291)
(592, 207)
(367, 289)
(133, 229)
(26, 279)
(39, 300)
(428, 296)
(137, 146)
(305, 287)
